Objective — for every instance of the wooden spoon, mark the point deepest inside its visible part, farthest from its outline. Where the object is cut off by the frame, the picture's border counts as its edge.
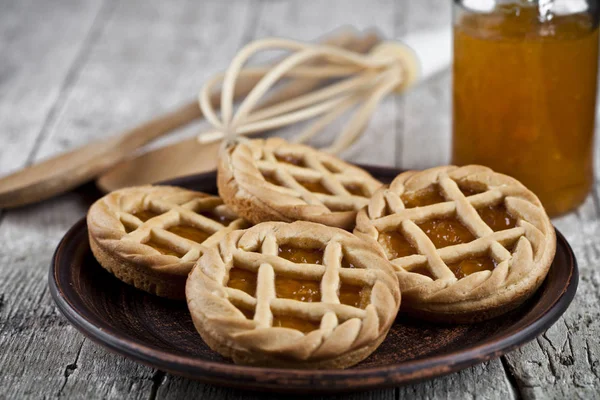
(64, 172)
(190, 156)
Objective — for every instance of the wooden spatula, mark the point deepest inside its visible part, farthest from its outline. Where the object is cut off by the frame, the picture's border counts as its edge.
(62, 173)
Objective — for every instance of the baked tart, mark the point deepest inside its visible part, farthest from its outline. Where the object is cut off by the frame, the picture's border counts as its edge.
(273, 180)
(151, 236)
(467, 243)
(299, 295)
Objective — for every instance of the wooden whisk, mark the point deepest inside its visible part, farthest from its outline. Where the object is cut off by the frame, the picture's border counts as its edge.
(358, 81)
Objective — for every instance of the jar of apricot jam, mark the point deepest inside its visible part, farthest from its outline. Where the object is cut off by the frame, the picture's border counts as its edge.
(524, 93)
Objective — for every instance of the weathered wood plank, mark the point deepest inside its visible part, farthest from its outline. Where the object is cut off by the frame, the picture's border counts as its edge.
(38, 348)
(113, 64)
(39, 63)
(146, 57)
(173, 388)
(565, 361)
(484, 381)
(43, 45)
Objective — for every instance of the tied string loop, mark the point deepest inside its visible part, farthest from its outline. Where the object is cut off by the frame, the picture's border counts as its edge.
(353, 81)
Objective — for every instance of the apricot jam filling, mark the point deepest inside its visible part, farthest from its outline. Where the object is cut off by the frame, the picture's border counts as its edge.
(423, 270)
(297, 289)
(295, 323)
(249, 314)
(190, 232)
(161, 248)
(395, 245)
(425, 197)
(290, 159)
(469, 191)
(211, 214)
(497, 217)
(145, 215)
(129, 227)
(242, 280)
(471, 265)
(352, 295)
(347, 264)
(315, 187)
(272, 179)
(511, 246)
(446, 232)
(356, 190)
(301, 256)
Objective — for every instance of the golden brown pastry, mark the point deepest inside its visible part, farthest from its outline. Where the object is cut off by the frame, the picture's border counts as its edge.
(299, 295)
(151, 236)
(467, 243)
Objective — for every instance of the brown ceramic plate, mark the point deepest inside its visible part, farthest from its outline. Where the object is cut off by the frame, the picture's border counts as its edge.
(160, 333)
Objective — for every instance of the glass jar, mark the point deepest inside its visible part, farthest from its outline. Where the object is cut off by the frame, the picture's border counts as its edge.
(524, 93)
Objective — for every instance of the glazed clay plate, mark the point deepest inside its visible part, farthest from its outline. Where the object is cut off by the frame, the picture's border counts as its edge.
(160, 333)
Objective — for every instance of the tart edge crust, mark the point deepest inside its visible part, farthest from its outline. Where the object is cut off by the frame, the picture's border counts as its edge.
(227, 347)
(473, 310)
(245, 357)
(160, 284)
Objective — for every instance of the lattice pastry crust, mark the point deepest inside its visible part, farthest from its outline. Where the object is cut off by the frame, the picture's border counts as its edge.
(273, 180)
(151, 236)
(253, 299)
(498, 268)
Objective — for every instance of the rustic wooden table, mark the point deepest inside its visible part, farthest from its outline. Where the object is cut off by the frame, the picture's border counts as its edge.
(75, 70)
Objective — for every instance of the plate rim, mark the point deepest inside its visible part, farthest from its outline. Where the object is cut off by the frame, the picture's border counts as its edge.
(217, 372)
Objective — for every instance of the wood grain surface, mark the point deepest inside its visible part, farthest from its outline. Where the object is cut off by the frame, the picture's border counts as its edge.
(76, 70)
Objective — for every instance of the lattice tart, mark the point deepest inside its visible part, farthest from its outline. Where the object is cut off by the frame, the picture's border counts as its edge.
(151, 236)
(467, 243)
(300, 295)
(273, 180)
